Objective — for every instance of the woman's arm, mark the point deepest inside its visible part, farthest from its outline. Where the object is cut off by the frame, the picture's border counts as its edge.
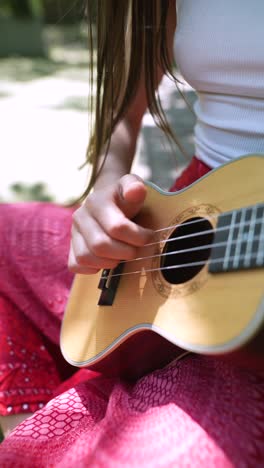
(102, 231)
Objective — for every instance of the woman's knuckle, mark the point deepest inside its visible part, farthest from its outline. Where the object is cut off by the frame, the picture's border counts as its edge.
(110, 264)
(98, 246)
(117, 229)
(81, 258)
(89, 202)
(130, 253)
(142, 240)
(72, 267)
(76, 216)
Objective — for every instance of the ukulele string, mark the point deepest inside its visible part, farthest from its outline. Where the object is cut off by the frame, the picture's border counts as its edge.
(187, 223)
(192, 249)
(174, 267)
(202, 233)
(194, 221)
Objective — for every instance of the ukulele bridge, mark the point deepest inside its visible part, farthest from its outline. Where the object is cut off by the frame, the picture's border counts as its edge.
(108, 284)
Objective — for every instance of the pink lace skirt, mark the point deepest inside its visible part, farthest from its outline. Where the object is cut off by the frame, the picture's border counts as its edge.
(196, 412)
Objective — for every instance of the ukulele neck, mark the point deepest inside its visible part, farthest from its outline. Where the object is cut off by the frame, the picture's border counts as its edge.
(239, 240)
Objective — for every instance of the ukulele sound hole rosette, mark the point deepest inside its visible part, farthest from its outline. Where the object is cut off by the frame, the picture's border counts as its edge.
(190, 245)
(188, 242)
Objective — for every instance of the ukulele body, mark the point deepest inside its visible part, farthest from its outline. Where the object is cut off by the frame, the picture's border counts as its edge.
(152, 320)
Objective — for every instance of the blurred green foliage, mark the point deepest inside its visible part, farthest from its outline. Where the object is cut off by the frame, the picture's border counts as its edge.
(52, 11)
(22, 8)
(26, 192)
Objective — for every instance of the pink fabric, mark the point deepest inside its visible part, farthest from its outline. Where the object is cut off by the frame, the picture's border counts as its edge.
(34, 287)
(196, 412)
(195, 170)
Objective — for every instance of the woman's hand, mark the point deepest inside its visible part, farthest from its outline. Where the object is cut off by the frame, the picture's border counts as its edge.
(102, 231)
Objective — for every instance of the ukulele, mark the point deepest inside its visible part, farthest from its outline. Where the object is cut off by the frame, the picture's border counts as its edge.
(197, 286)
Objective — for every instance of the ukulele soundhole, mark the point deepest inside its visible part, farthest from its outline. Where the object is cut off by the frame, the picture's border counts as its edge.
(188, 244)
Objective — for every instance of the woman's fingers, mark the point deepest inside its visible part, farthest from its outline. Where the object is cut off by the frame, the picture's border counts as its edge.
(124, 202)
(75, 267)
(132, 191)
(85, 256)
(103, 233)
(92, 247)
(119, 227)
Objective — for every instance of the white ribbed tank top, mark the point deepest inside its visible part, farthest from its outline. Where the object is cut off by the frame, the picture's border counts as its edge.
(219, 49)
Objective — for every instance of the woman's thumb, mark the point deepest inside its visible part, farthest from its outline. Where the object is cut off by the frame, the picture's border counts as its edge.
(132, 193)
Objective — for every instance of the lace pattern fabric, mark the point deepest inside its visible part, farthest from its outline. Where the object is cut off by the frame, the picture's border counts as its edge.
(198, 412)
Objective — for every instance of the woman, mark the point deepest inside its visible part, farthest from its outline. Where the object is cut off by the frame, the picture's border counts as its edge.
(197, 411)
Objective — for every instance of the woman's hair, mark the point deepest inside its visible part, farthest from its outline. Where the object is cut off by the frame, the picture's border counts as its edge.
(126, 37)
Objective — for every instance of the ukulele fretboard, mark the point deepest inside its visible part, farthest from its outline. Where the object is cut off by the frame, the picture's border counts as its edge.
(239, 240)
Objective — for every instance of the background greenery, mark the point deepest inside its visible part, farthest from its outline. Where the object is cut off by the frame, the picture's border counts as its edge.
(53, 88)
(52, 11)
(64, 35)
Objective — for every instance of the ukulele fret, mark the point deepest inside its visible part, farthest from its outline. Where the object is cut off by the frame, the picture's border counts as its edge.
(250, 239)
(229, 240)
(260, 249)
(238, 245)
(243, 239)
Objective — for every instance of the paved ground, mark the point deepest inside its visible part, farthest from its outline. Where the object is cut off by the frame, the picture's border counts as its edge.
(156, 159)
(44, 126)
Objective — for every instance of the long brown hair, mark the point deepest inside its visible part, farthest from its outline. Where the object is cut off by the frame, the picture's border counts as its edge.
(131, 36)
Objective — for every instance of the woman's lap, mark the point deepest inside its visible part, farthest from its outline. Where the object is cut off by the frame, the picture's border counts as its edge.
(34, 287)
(196, 412)
(34, 247)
